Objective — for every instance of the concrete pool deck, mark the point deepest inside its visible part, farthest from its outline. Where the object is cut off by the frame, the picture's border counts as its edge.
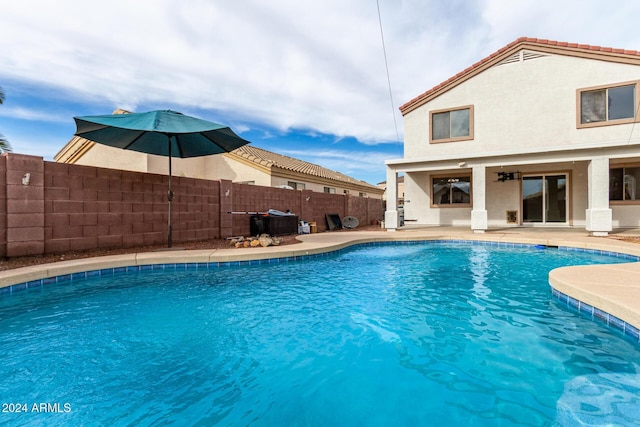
(614, 289)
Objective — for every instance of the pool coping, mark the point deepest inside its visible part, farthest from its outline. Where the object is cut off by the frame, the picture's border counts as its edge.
(609, 293)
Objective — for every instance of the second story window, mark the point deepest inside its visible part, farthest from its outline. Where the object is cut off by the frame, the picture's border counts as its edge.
(451, 125)
(607, 105)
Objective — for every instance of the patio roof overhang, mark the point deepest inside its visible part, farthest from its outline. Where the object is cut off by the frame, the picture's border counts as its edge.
(621, 150)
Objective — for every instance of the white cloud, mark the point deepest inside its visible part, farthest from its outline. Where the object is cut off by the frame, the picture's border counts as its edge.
(592, 22)
(33, 115)
(284, 63)
(345, 161)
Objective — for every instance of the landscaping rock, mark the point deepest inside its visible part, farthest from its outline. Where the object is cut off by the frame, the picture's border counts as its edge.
(265, 240)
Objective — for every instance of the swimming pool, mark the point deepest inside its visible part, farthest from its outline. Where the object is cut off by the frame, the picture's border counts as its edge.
(386, 334)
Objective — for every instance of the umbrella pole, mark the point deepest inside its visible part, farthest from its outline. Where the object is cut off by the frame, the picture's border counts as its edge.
(169, 196)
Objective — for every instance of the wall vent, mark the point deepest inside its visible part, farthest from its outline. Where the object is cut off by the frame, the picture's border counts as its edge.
(512, 217)
(526, 55)
(521, 56)
(513, 58)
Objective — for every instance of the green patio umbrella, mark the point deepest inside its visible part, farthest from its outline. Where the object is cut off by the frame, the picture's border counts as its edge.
(161, 132)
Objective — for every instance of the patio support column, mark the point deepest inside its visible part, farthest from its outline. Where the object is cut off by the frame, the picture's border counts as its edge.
(598, 214)
(391, 214)
(479, 221)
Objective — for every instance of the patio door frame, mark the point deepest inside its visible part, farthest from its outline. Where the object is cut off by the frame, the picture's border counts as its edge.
(544, 199)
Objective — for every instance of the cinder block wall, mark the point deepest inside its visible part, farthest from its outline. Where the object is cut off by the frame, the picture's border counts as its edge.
(255, 198)
(48, 207)
(24, 200)
(324, 203)
(3, 205)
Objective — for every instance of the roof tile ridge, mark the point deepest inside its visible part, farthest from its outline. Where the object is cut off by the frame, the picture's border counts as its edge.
(246, 153)
(298, 165)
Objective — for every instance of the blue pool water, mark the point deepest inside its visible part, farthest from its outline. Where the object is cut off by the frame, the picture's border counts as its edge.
(419, 334)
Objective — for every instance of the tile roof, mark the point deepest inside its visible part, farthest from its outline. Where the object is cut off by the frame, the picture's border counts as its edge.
(273, 160)
(552, 46)
(78, 146)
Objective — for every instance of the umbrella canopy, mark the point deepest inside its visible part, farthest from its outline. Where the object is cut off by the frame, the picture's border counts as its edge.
(162, 132)
(149, 132)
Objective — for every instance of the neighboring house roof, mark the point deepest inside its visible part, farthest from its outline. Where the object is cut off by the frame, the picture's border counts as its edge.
(399, 180)
(273, 161)
(537, 45)
(78, 146)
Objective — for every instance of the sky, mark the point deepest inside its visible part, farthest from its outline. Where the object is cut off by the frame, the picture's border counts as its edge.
(308, 79)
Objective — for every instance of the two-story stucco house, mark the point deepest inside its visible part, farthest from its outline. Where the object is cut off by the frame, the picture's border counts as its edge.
(538, 133)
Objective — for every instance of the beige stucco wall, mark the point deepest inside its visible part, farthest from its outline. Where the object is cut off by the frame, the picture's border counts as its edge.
(110, 157)
(221, 165)
(501, 196)
(115, 158)
(625, 216)
(319, 187)
(213, 167)
(207, 167)
(521, 106)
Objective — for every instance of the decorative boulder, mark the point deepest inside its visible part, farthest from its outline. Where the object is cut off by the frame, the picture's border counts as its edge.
(236, 240)
(265, 240)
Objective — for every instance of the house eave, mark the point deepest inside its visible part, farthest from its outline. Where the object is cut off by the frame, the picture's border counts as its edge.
(74, 150)
(262, 167)
(543, 46)
(542, 155)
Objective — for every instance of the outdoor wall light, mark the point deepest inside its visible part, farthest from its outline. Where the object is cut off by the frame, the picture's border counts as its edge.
(462, 164)
(226, 193)
(509, 176)
(26, 179)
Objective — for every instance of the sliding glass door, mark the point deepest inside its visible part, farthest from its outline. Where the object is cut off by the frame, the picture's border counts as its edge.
(544, 199)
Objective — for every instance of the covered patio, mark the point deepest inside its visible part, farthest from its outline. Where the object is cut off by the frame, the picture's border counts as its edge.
(567, 189)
